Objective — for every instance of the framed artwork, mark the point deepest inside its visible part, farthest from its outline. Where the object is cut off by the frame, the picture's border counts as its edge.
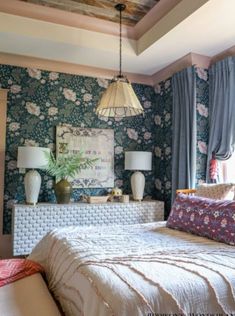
(94, 143)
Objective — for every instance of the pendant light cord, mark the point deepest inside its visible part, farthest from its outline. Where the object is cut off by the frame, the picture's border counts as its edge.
(120, 48)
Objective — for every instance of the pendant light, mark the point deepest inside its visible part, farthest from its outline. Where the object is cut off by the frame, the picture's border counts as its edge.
(119, 100)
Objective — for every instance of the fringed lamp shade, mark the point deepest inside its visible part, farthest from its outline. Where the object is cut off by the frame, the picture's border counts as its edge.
(119, 100)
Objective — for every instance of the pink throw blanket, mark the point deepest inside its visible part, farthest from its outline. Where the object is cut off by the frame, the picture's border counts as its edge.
(15, 269)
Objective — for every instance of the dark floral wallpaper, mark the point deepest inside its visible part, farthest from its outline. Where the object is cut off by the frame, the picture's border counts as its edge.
(163, 141)
(40, 100)
(202, 84)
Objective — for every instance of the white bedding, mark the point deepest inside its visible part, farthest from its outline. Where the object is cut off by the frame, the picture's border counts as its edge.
(137, 270)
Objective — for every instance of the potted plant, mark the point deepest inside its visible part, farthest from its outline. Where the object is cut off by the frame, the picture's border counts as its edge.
(63, 168)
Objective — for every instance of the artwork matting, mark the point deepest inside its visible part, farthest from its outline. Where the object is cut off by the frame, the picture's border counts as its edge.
(94, 143)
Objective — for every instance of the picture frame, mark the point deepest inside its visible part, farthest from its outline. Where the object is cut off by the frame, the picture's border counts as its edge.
(94, 144)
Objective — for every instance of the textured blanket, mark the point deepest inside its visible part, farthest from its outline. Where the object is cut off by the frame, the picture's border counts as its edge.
(15, 269)
(137, 270)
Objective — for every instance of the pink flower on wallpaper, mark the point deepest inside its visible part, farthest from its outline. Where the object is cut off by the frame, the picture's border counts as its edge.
(147, 104)
(53, 75)
(102, 82)
(103, 118)
(167, 84)
(147, 135)
(10, 203)
(11, 165)
(168, 185)
(202, 74)
(192, 217)
(30, 142)
(167, 150)
(118, 150)
(118, 119)
(87, 97)
(203, 111)
(157, 120)
(158, 152)
(69, 94)
(119, 183)
(167, 117)
(34, 73)
(202, 146)
(132, 134)
(32, 108)
(157, 88)
(15, 88)
(158, 184)
(52, 110)
(14, 126)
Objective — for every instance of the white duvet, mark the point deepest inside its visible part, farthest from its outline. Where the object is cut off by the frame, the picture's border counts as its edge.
(137, 270)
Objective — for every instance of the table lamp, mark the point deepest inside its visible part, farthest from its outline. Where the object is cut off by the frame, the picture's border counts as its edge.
(138, 160)
(32, 158)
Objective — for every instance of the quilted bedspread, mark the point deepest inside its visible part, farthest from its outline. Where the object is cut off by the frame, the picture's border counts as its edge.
(15, 269)
(137, 270)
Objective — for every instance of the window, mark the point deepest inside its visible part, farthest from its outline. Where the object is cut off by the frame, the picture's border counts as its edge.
(228, 170)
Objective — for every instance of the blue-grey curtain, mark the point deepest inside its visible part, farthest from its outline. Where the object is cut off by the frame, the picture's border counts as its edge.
(184, 130)
(221, 111)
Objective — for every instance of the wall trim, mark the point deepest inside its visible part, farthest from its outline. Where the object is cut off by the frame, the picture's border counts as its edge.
(226, 53)
(64, 67)
(5, 240)
(184, 62)
(190, 59)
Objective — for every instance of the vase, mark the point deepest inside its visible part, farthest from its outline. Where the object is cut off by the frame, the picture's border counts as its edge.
(63, 191)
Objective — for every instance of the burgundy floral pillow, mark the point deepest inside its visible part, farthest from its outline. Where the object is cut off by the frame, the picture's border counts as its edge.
(214, 219)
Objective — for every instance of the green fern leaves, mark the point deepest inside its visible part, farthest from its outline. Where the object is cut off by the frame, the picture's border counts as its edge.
(67, 166)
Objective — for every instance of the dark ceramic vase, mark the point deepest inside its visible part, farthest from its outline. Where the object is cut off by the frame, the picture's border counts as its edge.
(63, 191)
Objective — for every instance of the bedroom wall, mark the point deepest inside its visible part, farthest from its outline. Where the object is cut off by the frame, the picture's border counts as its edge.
(40, 100)
(163, 122)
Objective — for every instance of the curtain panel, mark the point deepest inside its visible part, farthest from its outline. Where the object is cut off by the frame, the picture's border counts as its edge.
(184, 130)
(221, 114)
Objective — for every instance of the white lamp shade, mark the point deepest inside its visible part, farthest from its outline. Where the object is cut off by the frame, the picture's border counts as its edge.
(32, 157)
(119, 100)
(138, 160)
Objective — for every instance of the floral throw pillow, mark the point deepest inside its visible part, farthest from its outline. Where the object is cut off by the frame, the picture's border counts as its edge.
(209, 218)
(223, 191)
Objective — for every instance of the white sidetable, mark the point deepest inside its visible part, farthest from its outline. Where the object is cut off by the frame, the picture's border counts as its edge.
(31, 223)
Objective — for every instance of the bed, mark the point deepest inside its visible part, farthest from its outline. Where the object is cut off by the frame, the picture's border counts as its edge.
(145, 269)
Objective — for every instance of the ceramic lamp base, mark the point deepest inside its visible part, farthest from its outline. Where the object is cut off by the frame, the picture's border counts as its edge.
(32, 183)
(137, 185)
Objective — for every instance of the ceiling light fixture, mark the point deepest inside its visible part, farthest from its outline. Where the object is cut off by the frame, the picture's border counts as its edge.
(119, 100)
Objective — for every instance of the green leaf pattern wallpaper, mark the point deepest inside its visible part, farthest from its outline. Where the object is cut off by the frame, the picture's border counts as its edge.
(39, 100)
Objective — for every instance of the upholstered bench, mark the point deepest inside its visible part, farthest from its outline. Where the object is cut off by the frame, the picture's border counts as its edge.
(25, 296)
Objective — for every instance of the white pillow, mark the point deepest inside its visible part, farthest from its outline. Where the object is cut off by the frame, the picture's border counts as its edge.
(222, 191)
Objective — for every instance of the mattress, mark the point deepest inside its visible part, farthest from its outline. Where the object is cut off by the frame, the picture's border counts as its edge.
(137, 270)
(27, 297)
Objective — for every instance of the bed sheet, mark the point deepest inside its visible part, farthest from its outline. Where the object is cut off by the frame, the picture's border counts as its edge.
(137, 270)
